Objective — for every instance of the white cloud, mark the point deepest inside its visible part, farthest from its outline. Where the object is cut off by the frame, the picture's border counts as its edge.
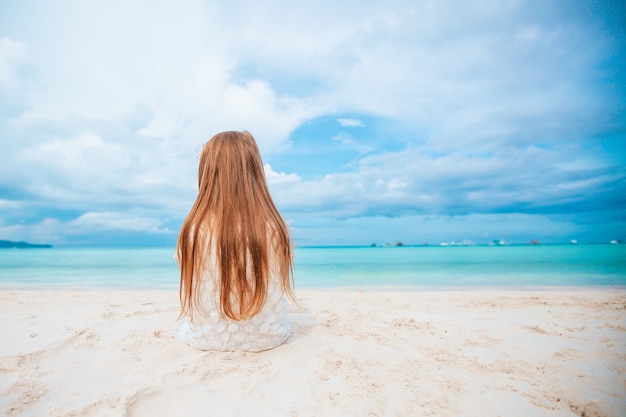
(256, 107)
(18, 77)
(9, 204)
(47, 230)
(69, 168)
(161, 55)
(274, 177)
(13, 57)
(350, 122)
(415, 181)
(499, 105)
(89, 228)
(349, 142)
(118, 221)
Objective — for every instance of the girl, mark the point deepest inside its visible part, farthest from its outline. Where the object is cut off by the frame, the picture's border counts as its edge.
(234, 253)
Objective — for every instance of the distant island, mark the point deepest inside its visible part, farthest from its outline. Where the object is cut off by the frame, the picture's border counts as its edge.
(21, 245)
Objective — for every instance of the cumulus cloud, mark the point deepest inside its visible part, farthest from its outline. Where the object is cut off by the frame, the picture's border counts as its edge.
(274, 177)
(350, 122)
(436, 108)
(95, 228)
(123, 221)
(414, 181)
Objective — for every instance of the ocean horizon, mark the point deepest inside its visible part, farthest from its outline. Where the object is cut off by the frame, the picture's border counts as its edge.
(422, 267)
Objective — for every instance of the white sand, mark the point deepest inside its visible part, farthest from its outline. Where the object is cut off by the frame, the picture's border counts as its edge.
(353, 353)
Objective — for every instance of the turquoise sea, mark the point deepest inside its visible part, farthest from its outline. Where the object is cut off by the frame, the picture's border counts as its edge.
(528, 266)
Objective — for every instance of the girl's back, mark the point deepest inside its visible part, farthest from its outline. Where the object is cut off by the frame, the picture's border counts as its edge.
(234, 252)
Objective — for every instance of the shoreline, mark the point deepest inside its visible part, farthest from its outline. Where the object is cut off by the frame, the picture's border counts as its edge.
(353, 351)
(345, 288)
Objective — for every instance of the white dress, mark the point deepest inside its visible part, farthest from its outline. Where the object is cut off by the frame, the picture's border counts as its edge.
(267, 329)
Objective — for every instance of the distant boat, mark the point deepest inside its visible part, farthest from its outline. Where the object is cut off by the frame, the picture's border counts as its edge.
(614, 242)
(573, 242)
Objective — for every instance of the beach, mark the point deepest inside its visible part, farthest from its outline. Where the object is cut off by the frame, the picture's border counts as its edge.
(353, 352)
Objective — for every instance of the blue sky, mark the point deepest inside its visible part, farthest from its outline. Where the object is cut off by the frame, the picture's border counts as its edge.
(378, 122)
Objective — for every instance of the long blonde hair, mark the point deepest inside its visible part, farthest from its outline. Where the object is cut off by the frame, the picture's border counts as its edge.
(234, 217)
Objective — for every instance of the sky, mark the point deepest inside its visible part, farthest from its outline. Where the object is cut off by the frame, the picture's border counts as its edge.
(378, 122)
